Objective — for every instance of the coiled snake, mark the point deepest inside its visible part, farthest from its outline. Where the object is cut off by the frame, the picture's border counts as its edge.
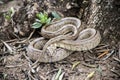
(64, 37)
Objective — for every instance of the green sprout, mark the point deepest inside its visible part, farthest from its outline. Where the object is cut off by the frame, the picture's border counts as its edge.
(42, 19)
(9, 14)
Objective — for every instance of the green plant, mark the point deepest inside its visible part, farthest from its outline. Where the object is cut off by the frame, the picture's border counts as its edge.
(9, 14)
(56, 15)
(42, 19)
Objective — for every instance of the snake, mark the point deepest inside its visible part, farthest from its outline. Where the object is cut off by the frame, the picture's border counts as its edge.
(61, 38)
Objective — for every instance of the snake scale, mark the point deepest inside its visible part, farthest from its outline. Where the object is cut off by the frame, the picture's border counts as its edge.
(64, 37)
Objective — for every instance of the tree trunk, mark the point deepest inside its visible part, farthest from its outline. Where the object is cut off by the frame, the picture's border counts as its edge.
(105, 16)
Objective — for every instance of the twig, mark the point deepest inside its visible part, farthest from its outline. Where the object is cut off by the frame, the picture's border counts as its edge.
(28, 37)
(119, 50)
(32, 70)
(108, 55)
(101, 47)
(16, 36)
(116, 59)
(22, 49)
(31, 76)
(91, 66)
(13, 40)
(100, 51)
(8, 47)
(12, 66)
(51, 71)
(104, 53)
(27, 58)
(114, 71)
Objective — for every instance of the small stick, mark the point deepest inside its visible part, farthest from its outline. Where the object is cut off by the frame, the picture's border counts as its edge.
(116, 59)
(114, 71)
(108, 55)
(28, 37)
(104, 53)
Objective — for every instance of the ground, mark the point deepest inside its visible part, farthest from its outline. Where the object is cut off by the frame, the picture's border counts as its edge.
(17, 66)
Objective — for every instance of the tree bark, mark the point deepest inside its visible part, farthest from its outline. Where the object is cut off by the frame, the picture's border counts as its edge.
(105, 16)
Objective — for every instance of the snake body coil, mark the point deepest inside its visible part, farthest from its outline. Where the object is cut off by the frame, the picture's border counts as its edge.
(64, 38)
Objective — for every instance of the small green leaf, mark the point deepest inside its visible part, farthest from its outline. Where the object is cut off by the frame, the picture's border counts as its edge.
(9, 13)
(37, 20)
(56, 15)
(58, 74)
(38, 15)
(12, 11)
(41, 15)
(48, 21)
(42, 19)
(7, 17)
(36, 25)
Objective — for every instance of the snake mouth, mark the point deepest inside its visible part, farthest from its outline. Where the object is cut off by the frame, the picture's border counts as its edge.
(87, 34)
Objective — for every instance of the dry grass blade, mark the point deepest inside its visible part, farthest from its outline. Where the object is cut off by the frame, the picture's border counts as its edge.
(100, 51)
(31, 76)
(75, 64)
(12, 66)
(49, 72)
(115, 71)
(28, 37)
(53, 78)
(102, 46)
(89, 65)
(90, 75)
(8, 47)
(116, 59)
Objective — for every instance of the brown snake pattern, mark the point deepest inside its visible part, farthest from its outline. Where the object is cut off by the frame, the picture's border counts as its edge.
(64, 38)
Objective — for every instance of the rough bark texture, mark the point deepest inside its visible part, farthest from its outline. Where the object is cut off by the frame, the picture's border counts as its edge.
(105, 16)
